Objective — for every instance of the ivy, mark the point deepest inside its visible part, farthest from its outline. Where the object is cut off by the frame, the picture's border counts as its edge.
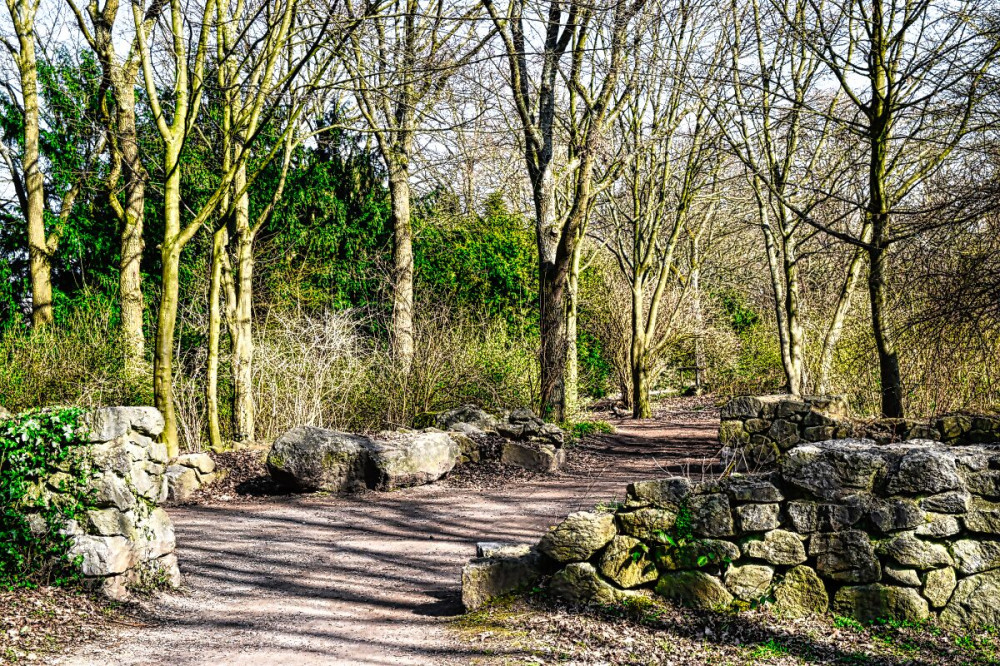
(44, 485)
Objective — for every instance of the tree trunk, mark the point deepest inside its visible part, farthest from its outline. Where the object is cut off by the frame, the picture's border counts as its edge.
(888, 360)
(638, 357)
(551, 299)
(778, 286)
(39, 251)
(402, 259)
(699, 347)
(795, 333)
(170, 255)
(130, 275)
(572, 390)
(214, 332)
(244, 409)
(837, 323)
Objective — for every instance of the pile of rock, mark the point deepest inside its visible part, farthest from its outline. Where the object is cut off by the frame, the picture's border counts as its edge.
(756, 430)
(187, 473)
(529, 442)
(126, 540)
(904, 531)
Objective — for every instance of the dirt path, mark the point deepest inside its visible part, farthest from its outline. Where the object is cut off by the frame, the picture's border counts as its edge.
(371, 579)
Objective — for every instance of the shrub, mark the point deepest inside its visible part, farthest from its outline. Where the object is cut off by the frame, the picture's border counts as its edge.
(36, 446)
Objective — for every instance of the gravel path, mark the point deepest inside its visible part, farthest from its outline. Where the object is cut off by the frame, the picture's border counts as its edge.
(370, 579)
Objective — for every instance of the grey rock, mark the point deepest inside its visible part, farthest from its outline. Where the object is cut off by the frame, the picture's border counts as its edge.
(694, 589)
(911, 551)
(892, 515)
(847, 556)
(484, 579)
(837, 517)
(309, 459)
(753, 426)
(975, 556)
(710, 515)
(777, 547)
(647, 523)
(399, 460)
(109, 423)
(868, 603)
(985, 483)
(502, 549)
(800, 593)
(751, 490)
(956, 502)
(939, 526)
(112, 491)
(699, 553)
(578, 537)
(155, 535)
(533, 456)
(580, 583)
(199, 461)
(732, 433)
(784, 433)
(973, 604)
(832, 469)
(895, 573)
(802, 516)
(468, 415)
(625, 563)
(102, 555)
(182, 482)
(168, 569)
(667, 493)
(749, 582)
(983, 517)
(938, 586)
(111, 522)
(757, 517)
(742, 407)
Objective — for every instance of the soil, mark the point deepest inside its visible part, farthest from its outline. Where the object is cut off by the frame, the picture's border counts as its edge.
(371, 578)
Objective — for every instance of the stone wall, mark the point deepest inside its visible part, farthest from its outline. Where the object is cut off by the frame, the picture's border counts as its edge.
(907, 531)
(126, 540)
(755, 430)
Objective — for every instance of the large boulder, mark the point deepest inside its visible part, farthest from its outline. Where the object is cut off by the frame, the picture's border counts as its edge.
(973, 604)
(307, 459)
(749, 582)
(694, 589)
(777, 547)
(580, 583)
(836, 468)
(102, 556)
(847, 556)
(800, 593)
(868, 603)
(398, 460)
(466, 414)
(625, 562)
(648, 523)
(486, 578)
(533, 456)
(578, 537)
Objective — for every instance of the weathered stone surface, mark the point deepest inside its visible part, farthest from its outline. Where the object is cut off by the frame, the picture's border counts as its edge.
(399, 460)
(732, 433)
(533, 456)
(155, 535)
(111, 522)
(757, 517)
(892, 515)
(955, 502)
(924, 471)
(832, 469)
(938, 586)
(697, 554)
(580, 583)
(502, 549)
(742, 407)
(983, 517)
(784, 433)
(845, 556)
(868, 603)
(109, 423)
(487, 578)
(754, 426)
(939, 526)
(578, 537)
(694, 589)
(181, 483)
(467, 414)
(911, 551)
(168, 569)
(777, 547)
(973, 604)
(102, 556)
(802, 516)
(746, 489)
(668, 493)
(199, 461)
(895, 573)
(837, 517)
(749, 582)
(710, 515)
(975, 556)
(985, 483)
(800, 593)
(111, 490)
(625, 563)
(309, 459)
(648, 523)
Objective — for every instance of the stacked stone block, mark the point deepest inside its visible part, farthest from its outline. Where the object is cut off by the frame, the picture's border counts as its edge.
(126, 540)
(904, 531)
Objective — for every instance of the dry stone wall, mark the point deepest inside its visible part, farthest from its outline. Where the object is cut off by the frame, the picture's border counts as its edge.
(126, 540)
(904, 531)
(756, 430)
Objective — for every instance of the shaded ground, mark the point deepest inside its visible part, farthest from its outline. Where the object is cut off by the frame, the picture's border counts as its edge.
(373, 578)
